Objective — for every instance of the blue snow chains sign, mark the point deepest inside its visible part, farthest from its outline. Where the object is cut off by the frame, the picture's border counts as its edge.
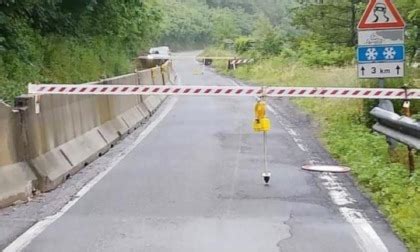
(385, 53)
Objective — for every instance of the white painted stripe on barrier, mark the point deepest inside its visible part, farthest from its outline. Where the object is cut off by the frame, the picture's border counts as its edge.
(319, 92)
(241, 61)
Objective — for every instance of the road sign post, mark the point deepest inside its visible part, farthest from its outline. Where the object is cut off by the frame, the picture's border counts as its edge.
(381, 49)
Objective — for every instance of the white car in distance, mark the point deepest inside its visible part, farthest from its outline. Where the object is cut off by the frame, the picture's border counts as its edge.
(162, 52)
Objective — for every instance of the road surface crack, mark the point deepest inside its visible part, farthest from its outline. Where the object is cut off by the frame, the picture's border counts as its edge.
(289, 225)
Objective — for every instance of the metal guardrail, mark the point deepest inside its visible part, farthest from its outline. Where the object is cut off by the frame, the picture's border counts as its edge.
(401, 128)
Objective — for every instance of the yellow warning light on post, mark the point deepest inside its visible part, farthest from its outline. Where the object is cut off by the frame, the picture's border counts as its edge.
(262, 125)
(260, 108)
(261, 122)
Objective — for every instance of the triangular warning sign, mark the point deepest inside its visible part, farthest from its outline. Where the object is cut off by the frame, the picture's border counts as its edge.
(381, 14)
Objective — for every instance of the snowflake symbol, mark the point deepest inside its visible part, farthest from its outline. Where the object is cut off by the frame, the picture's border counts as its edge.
(389, 53)
(371, 54)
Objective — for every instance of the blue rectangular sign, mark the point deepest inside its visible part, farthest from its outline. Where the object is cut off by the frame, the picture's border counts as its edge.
(386, 53)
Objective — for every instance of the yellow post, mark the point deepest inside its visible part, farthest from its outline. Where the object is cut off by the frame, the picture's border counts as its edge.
(263, 124)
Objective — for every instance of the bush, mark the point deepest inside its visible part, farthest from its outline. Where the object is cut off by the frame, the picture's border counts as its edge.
(243, 44)
(271, 44)
(314, 52)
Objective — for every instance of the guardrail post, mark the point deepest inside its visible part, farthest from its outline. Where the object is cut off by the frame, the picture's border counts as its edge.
(411, 165)
(411, 151)
(389, 106)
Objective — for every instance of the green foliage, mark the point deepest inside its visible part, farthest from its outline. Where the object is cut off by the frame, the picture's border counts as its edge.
(269, 39)
(271, 44)
(334, 21)
(410, 10)
(185, 24)
(195, 23)
(70, 41)
(277, 11)
(63, 60)
(315, 52)
(225, 25)
(243, 44)
(247, 5)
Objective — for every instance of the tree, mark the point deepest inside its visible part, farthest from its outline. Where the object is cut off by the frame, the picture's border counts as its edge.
(269, 39)
(335, 21)
(224, 25)
(410, 10)
(185, 24)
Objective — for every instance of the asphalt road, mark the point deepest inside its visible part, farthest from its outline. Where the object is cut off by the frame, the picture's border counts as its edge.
(191, 181)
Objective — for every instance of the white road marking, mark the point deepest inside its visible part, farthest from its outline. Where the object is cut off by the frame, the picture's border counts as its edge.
(367, 238)
(271, 110)
(337, 192)
(301, 146)
(26, 238)
(292, 132)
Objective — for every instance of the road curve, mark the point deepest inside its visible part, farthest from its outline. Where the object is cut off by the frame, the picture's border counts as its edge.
(192, 182)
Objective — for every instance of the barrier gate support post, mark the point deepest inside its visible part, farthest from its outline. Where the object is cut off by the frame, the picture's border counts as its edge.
(266, 175)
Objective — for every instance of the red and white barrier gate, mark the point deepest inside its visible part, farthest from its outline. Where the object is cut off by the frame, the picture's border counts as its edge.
(322, 92)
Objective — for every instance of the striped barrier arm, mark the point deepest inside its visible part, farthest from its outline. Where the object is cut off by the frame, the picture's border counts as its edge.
(304, 92)
(241, 61)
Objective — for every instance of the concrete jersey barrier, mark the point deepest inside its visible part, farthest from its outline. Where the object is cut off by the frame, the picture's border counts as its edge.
(51, 137)
(17, 181)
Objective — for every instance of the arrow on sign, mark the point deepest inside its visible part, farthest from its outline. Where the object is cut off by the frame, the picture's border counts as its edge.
(381, 70)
